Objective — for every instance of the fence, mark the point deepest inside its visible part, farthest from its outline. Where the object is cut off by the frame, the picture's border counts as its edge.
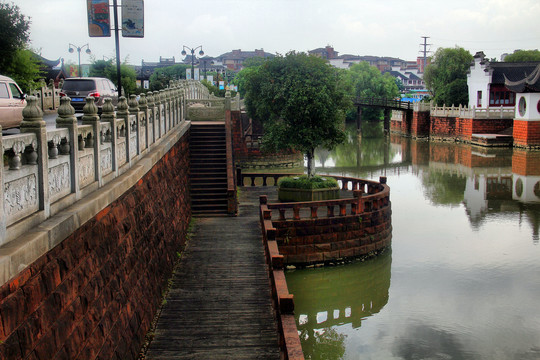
(48, 97)
(46, 170)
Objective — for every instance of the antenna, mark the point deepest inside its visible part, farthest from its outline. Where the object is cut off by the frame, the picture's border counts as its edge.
(425, 51)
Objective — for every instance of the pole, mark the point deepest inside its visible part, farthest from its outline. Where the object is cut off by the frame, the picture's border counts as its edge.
(192, 64)
(117, 41)
(79, 51)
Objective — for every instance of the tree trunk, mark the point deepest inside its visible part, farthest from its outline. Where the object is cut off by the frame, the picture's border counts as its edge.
(310, 155)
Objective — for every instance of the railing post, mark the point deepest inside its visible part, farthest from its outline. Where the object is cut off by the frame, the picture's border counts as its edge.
(134, 110)
(3, 220)
(122, 112)
(66, 119)
(91, 117)
(143, 107)
(33, 123)
(109, 116)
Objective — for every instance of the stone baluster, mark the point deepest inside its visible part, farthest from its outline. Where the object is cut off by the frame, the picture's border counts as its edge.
(108, 115)
(91, 117)
(134, 110)
(66, 119)
(152, 116)
(143, 108)
(122, 112)
(182, 104)
(33, 123)
(163, 112)
(2, 211)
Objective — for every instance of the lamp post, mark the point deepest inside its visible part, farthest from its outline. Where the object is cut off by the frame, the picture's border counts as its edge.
(79, 48)
(201, 53)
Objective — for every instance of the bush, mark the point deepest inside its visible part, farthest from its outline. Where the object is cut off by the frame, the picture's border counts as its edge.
(303, 182)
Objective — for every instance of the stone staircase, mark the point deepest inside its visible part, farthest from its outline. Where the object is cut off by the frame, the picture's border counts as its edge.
(208, 174)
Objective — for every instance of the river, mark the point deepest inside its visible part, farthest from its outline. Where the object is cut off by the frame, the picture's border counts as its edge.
(462, 277)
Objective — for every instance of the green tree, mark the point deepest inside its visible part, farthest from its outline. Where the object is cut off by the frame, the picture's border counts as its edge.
(446, 76)
(24, 69)
(366, 81)
(301, 103)
(523, 55)
(161, 76)
(15, 30)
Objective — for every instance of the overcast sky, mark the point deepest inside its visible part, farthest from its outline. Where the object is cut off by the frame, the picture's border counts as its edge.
(377, 27)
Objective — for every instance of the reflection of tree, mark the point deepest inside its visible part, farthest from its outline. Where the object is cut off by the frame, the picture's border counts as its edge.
(324, 344)
(444, 188)
(368, 151)
(426, 342)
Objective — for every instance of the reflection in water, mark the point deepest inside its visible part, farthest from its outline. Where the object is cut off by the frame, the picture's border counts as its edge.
(325, 297)
(465, 269)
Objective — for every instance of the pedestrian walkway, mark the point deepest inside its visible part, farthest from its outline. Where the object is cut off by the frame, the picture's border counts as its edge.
(220, 303)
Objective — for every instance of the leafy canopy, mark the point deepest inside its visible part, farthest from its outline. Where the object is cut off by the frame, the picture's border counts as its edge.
(446, 76)
(523, 55)
(161, 76)
(300, 101)
(364, 81)
(15, 30)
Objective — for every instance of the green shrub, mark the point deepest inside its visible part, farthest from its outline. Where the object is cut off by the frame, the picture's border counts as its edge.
(303, 182)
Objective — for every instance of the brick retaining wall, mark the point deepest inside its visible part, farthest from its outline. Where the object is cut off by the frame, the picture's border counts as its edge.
(328, 239)
(96, 293)
(526, 133)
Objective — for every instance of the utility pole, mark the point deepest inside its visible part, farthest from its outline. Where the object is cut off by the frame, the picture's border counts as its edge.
(425, 51)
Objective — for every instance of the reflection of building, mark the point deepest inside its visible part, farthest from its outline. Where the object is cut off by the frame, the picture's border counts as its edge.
(331, 296)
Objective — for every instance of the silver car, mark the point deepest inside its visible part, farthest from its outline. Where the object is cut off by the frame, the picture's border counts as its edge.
(12, 103)
(79, 88)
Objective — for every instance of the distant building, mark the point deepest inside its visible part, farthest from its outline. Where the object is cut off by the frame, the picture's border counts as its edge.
(234, 60)
(486, 81)
(147, 68)
(327, 52)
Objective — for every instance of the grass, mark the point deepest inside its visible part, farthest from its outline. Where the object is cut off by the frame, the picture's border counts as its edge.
(303, 182)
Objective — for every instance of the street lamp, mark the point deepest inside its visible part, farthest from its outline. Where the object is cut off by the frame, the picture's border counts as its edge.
(79, 48)
(201, 53)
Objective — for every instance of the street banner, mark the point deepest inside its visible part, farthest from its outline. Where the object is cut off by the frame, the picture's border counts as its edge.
(188, 74)
(196, 71)
(222, 85)
(210, 79)
(133, 18)
(99, 19)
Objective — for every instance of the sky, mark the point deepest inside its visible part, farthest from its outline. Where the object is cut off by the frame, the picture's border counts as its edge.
(359, 27)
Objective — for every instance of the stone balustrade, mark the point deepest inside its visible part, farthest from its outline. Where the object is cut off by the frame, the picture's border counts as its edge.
(472, 113)
(48, 97)
(47, 170)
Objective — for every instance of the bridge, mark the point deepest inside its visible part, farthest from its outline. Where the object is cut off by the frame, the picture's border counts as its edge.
(388, 105)
(96, 216)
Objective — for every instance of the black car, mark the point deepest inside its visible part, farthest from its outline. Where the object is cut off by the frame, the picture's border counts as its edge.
(79, 88)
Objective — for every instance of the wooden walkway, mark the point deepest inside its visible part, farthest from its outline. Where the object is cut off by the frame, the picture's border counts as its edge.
(220, 305)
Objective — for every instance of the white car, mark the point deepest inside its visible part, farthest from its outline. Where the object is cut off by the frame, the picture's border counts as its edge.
(12, 103)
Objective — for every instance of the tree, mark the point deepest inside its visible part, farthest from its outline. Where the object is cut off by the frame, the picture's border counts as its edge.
(161, 76)
(15, 30)
(301, 103)
(446, 76)
(523, 55)
(367, 81)
(24, 69)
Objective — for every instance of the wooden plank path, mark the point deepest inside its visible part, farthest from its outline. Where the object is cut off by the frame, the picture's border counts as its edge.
(220, 305)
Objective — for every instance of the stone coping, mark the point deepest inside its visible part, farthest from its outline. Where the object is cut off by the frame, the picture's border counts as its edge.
(16, 255)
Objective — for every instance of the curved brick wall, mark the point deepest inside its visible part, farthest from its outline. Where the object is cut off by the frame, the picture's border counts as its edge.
(96, 293)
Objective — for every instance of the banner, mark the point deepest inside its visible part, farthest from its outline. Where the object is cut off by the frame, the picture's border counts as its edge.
(133, 18)
(196, 71)
(99, 19)
(188, 74)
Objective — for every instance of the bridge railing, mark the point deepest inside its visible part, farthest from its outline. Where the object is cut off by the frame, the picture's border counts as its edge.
(47, 170)
(383, 102)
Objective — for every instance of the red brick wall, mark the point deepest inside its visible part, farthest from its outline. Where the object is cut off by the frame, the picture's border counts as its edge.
(526, 163)
(420, 124)
(526, 133)
(95, 294)
(490, 126)
(327, 239)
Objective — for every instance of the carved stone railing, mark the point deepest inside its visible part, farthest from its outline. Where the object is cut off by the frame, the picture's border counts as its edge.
(464, 112)
(45, 171)
(48, 96)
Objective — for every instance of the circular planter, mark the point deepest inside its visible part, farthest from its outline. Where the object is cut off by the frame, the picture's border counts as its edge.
(297, 195)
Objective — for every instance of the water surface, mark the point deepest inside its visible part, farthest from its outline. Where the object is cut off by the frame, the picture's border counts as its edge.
(462, 279)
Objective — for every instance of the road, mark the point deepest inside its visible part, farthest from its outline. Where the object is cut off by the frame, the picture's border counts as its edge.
(50, 120)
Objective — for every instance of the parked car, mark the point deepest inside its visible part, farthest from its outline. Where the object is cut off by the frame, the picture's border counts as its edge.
(79, 88)
(12, 103)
